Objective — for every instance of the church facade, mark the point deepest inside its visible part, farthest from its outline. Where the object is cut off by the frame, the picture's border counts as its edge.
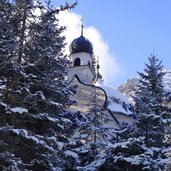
(83, 73)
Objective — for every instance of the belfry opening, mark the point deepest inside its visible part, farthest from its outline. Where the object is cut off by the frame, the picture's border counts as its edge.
(77, 62)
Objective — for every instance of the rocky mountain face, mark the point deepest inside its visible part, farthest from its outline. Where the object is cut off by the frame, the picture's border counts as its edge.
(167, 80)
(128, 88)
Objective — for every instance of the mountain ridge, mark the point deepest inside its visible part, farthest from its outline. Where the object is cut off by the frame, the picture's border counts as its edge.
(128, 88)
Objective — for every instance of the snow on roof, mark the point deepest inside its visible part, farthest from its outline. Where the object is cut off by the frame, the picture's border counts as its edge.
(117, 102)
(117, 108)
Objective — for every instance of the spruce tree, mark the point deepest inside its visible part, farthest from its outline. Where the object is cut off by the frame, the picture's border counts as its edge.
(149, 102)
(44, 53)
(34, 122)
(21, 18)
(9, 69)
(7, 37)
(9, 72)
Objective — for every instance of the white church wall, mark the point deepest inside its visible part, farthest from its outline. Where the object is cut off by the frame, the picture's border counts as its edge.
(84, 73)
(84, 57)
(85, 95)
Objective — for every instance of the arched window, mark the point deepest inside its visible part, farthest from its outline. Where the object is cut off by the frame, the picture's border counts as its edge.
(77, 62)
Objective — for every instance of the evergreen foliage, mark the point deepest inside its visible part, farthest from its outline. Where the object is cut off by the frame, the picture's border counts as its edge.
(150, 91)
(21, 17)
(34, 122)
(149, 103)
(125, 131)
(7, 37)
(130, 155)
(168, 162)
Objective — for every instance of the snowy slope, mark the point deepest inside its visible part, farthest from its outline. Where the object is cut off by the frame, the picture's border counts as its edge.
(117, 102)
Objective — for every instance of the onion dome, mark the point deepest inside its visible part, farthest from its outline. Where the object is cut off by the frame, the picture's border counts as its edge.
(81, 44)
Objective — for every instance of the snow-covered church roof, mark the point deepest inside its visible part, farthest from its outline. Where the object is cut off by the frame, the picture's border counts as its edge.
(117, 102)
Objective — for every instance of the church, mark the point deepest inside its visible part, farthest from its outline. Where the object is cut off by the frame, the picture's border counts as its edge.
(83, 74)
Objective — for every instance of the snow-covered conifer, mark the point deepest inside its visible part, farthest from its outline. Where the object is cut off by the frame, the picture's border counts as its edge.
(149, 102)
(34, 122)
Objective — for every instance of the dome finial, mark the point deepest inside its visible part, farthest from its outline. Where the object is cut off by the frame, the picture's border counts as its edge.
(82, 26)
(81, 44)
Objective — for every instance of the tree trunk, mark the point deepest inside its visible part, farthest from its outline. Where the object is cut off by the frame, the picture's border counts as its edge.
(23, 29)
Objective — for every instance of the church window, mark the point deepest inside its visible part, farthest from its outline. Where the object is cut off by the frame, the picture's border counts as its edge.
(77, 62)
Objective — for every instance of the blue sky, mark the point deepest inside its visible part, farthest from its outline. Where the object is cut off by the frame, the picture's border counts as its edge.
(131, 29)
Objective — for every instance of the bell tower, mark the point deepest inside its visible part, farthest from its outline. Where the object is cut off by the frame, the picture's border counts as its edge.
(82, 60)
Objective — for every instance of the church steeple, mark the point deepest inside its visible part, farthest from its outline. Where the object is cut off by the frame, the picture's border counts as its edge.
(81, 44)
(81, 56)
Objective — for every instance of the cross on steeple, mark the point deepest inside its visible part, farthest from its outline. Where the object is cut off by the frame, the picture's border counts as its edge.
(82, 26)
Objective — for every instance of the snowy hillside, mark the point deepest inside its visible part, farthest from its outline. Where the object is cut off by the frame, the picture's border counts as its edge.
(128, 87)
(117, 102)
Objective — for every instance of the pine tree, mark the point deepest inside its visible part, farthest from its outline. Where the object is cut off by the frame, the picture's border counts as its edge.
(149, 102)
(44, 53)
(8, 42)
(23, 13)
(34, 122)
(9, 69)
(131, 155)
(9, 72)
